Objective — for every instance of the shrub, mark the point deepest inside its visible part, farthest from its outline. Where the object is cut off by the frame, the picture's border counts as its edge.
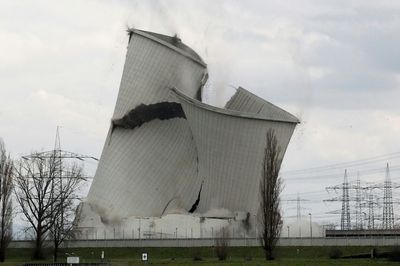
(394, 254)
(221, 244)
(197, 255)
(375, 253)
(221, 250)
(335, 253)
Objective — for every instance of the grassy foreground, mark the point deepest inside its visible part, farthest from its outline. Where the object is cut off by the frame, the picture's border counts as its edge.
(185, 256)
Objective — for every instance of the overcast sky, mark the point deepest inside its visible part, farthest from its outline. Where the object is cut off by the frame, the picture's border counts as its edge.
(334, 64)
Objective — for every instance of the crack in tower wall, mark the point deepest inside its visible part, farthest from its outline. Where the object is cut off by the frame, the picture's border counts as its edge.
(196, 203)
(146, 113)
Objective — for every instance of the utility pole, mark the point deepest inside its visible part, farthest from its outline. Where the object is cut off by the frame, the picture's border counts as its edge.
(298, 201)
(359, 223)
(366, 200)
(371, 217)
(59, 155)
(345, 217)
(388, 217)
(298, 214)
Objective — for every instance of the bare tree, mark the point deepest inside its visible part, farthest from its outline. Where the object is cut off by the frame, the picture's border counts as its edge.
(46, 196)
(6, 211)
(221, 243)
(63, 221)
(270, 189)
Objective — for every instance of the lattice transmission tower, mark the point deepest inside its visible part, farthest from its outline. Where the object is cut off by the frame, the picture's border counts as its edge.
(372, 204)
(59, 157)
(388, 216)
(358, 207)
(298, 201)
(345, 217)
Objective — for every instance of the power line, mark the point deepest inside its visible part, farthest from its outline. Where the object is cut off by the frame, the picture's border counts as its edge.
(337, 175)
(365, 197)
(59, 154)
(342, 165)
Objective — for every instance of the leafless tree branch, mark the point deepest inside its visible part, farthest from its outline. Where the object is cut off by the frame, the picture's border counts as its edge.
(6, 210)
(46, 190)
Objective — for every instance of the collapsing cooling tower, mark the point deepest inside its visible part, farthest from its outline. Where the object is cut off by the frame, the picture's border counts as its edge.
(166, 151)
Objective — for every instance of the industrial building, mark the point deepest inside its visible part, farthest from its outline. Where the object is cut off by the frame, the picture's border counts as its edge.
(173, 165)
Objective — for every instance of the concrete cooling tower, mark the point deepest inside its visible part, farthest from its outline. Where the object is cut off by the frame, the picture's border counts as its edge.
(169, 157)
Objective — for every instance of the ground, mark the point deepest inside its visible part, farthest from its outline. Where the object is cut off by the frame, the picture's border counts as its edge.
(249, 256)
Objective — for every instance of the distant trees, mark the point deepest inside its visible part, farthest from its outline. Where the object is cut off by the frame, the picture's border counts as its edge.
(270, 189)
(45, 188)
(6, 210)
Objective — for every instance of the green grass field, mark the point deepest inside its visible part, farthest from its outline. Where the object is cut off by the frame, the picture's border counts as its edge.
(185, 256)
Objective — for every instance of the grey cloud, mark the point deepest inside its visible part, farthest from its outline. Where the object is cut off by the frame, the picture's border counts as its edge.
(324, 60)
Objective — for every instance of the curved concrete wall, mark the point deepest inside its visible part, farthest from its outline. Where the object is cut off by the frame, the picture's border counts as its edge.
(167, 152)
(140, 168)
(230, 148)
